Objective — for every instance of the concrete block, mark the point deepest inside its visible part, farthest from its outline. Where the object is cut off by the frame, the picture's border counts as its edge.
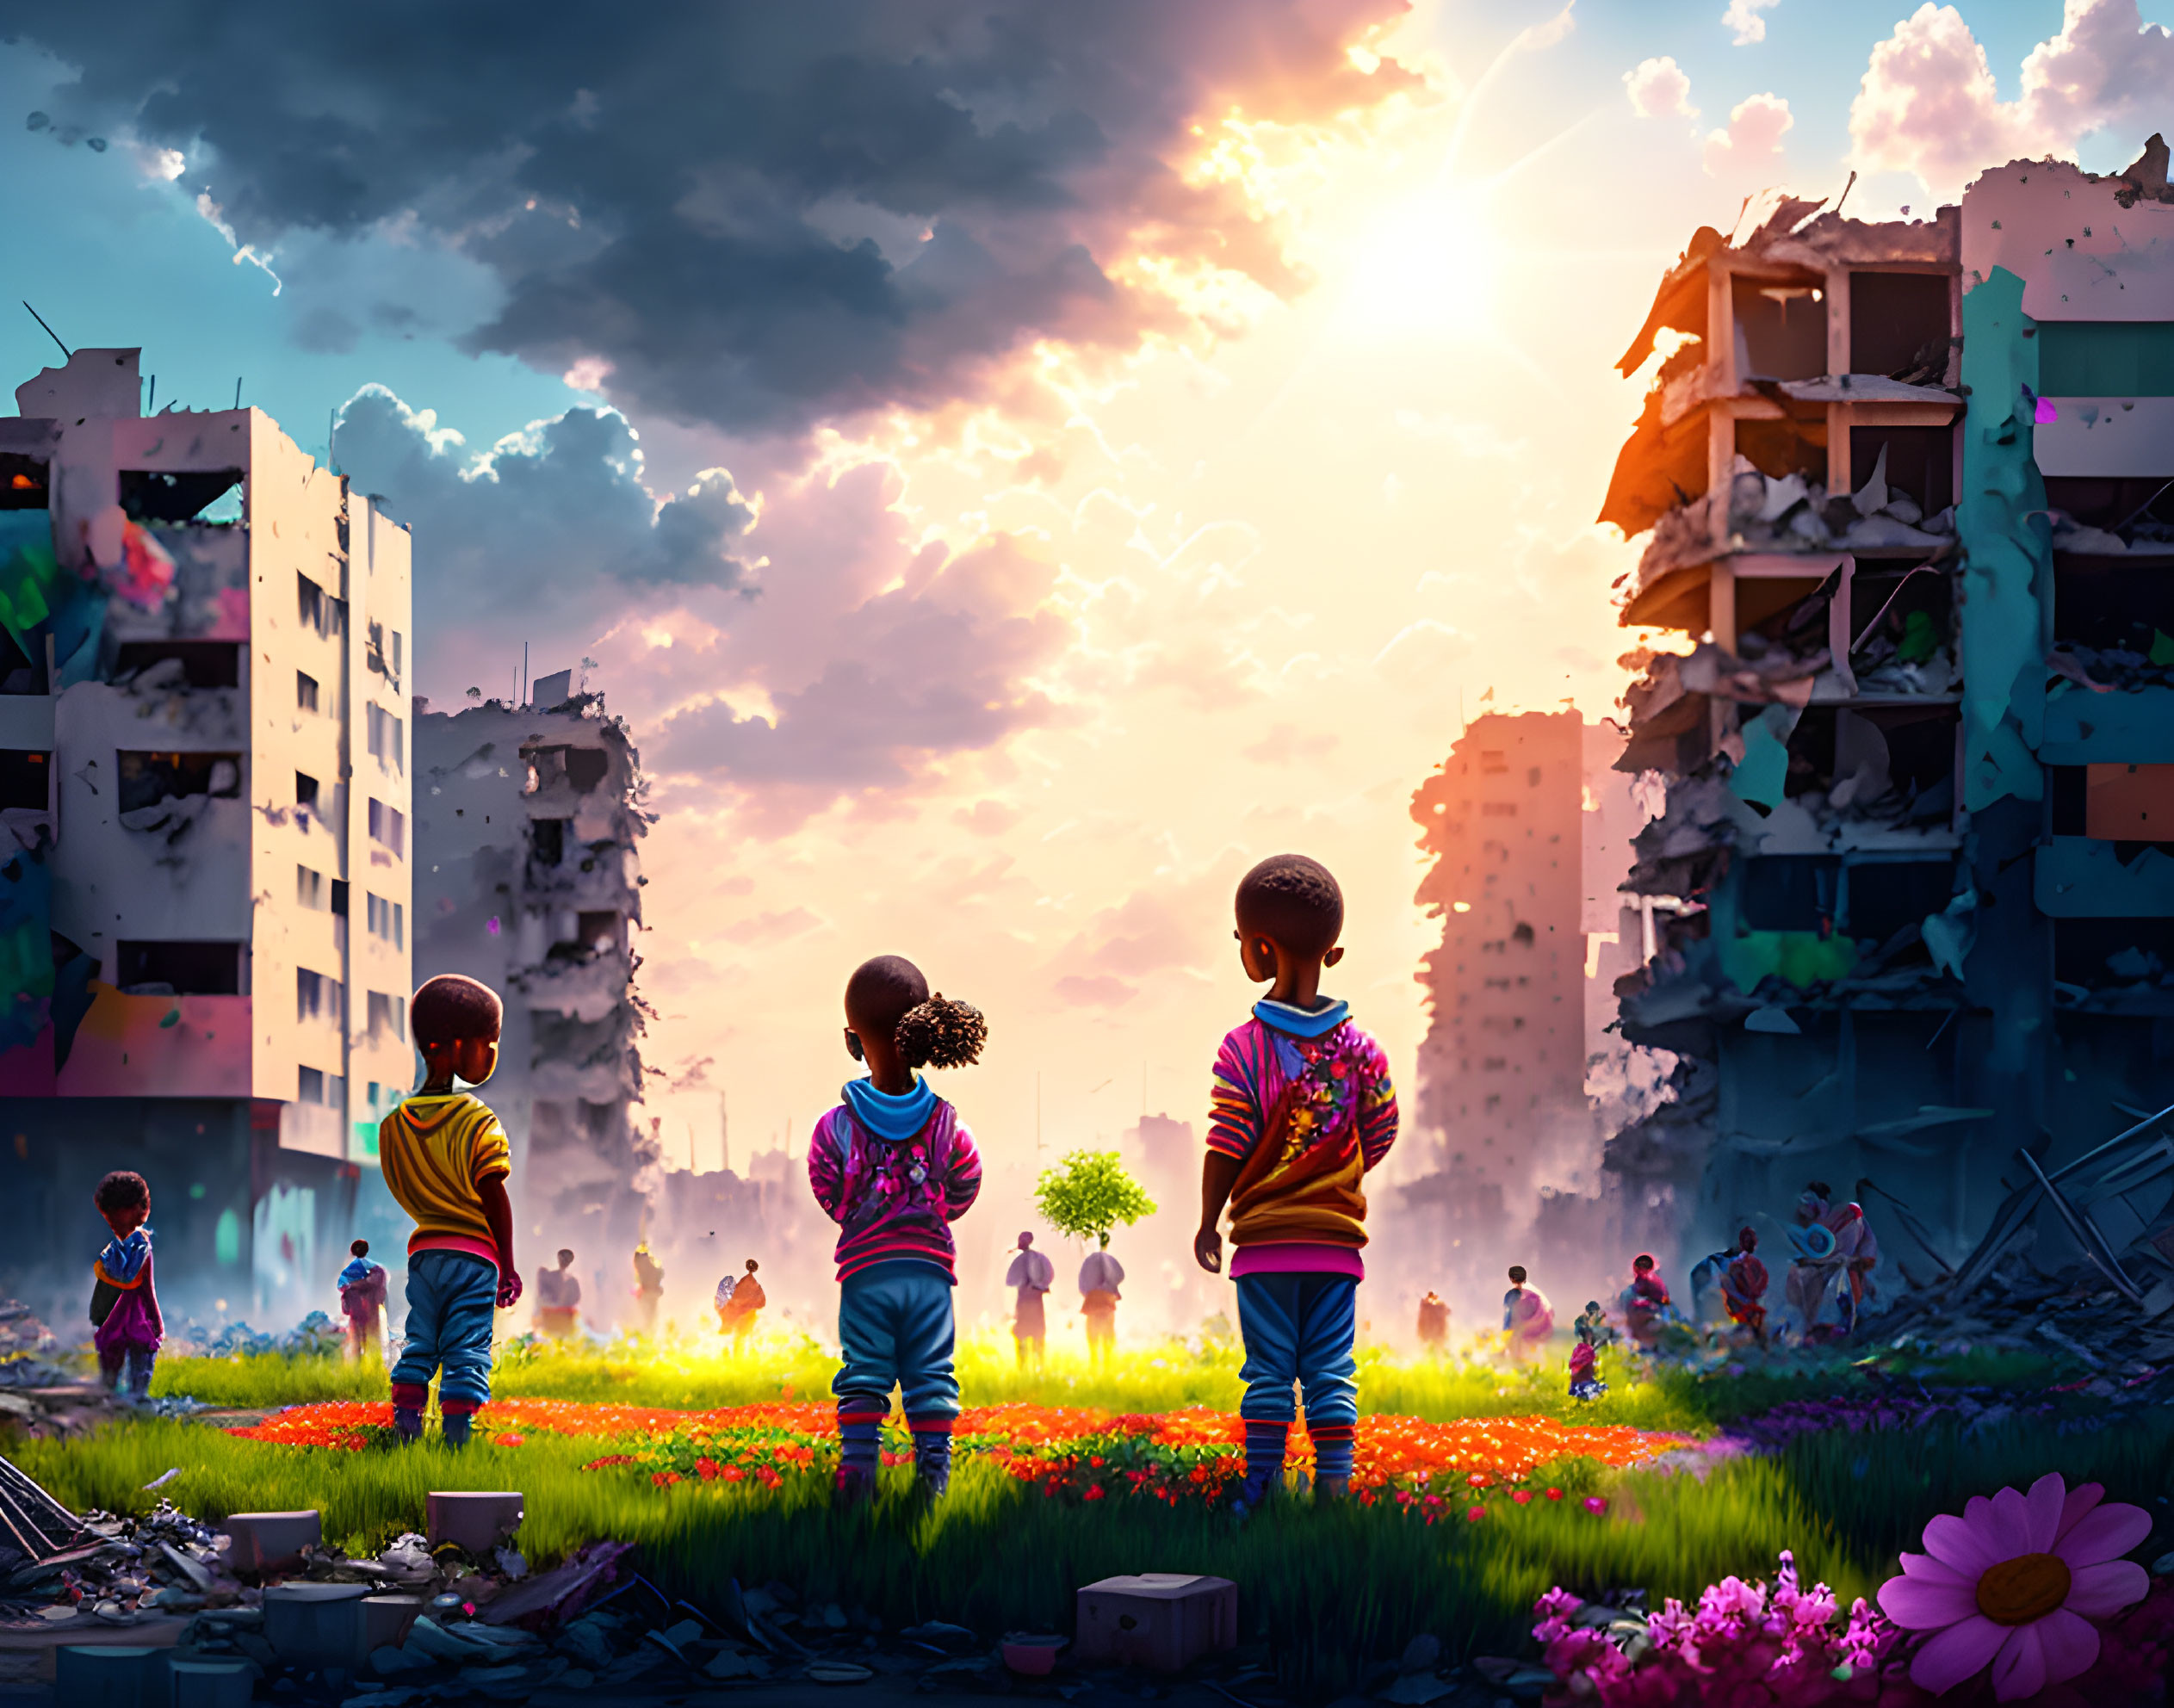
(110, 1675)
(477, 1521)
(271, 1542)
(317, 1625)
(1161, 1621)
(386, 1620)
(211, 1683)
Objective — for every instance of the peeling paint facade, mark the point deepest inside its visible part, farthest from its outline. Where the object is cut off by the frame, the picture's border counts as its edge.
(528, 822)
(203, 759)
(1905, 503)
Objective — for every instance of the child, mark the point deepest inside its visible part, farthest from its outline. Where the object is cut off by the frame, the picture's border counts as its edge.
(558, 1300)
(1303, 1108)
(1743, 1286)
(739, 1301)
(1433, 1323)
(362, 1285)
(1100, 1277)
(1528, 1318)
(894, 1167)
(1645, 1302)
(124, 1301)
(1592, 1331)
(648, 1289)
(1032, 1274)
(446, 1163)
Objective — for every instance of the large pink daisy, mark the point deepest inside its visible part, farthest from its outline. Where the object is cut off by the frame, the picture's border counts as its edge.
(2015, 1582)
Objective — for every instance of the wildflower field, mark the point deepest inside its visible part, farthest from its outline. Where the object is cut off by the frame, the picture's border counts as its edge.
(1475, 1491)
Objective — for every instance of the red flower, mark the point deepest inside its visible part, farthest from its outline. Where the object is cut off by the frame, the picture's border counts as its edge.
(1478, 1479)
(1093, 1494)
(1554, 1494)
(1474, 1514)
(1522, 1496)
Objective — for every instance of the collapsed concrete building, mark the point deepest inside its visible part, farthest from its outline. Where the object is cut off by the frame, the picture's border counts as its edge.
(203, 787)
(1909, 490)
(528, 820)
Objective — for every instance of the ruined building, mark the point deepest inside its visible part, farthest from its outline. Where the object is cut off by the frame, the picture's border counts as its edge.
(1526, 865)
(1908, 490)
(203, 789)
(527, 822)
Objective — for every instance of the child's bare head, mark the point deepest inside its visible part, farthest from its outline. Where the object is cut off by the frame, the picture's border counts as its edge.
(360, 1248)
(456, 1022)
(1294, 902)
(450, 1009)
(888, 1008)
(123, 1198)
(1517, 1275)
(1642, 1264)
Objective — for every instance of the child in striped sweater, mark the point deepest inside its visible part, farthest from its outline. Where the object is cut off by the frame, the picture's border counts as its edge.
(894, 1167)
(1302, 1109)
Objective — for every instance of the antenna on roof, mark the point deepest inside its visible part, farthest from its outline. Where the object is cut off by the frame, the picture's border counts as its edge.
(237, 396)
(1844, 196)
(67, 353)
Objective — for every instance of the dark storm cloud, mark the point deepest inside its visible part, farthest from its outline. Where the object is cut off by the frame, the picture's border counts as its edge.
(758, 214)
(557, 506)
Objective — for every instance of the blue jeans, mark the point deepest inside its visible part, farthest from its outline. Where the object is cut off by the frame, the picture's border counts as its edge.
(894, 1326)
(451, 1297)
(1299, 1328)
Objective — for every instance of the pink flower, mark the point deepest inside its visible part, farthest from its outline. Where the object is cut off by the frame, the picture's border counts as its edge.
(1597, 1504)
(1474, 1514)
(2014, 1582)
(1522, 1496)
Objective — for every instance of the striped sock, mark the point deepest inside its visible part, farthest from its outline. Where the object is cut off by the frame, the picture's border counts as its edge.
(932, 1452)
(1332, 1449)
(1264, 1455)
(860, 1434)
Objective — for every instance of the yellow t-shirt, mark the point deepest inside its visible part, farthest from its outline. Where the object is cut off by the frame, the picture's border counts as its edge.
(436, 1151)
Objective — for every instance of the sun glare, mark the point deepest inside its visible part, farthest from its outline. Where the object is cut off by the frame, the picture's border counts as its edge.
(1423, 268)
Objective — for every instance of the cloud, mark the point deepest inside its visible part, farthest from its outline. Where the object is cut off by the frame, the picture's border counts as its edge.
(1743, 16)
(1098, 993)
(1752, 141)
(1286, 744)
(550, 508)
(755, 216)
(774, 926)
(986, 818)
(1659, 89)
(1930, 104)
(943, 664)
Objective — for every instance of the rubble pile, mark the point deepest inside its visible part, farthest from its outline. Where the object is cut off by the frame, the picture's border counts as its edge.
(2075, 1316)
(117, 1571)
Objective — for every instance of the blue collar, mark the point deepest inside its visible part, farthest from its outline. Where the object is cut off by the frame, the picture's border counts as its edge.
(1302, 1023)
(889, 1117)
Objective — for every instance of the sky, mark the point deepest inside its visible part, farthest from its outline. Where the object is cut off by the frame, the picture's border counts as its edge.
(1013, 467)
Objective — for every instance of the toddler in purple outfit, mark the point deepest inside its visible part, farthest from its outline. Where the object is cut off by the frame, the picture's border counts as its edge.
(124, 1303)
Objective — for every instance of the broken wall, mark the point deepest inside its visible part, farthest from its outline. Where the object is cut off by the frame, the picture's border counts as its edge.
(529, 819)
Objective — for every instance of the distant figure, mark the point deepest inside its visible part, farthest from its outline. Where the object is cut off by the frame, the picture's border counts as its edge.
(648, 1289)
(1099, 1278)
(1645, 1302)
(124, 1301)
(1592, 1332)
(1527, 1319)
(1433, 1323)
(1835, 1255)
(1032, 1275)
(1743, 1286)
(558, 1300)
(739, 1301)
(362, 1288)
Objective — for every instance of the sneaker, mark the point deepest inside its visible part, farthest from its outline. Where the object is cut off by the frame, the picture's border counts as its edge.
(458, 1426)
(854, 1488)
(1251, 1493)
(408, 1423)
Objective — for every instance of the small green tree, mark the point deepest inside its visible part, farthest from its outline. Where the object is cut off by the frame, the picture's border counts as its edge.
(1088, 1194)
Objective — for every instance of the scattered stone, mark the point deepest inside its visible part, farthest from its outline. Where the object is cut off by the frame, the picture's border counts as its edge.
(268, 1542)
(1421, 1654)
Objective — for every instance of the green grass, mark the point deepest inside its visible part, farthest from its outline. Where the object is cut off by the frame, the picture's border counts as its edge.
(1332, 1589)
(1160, 1378)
